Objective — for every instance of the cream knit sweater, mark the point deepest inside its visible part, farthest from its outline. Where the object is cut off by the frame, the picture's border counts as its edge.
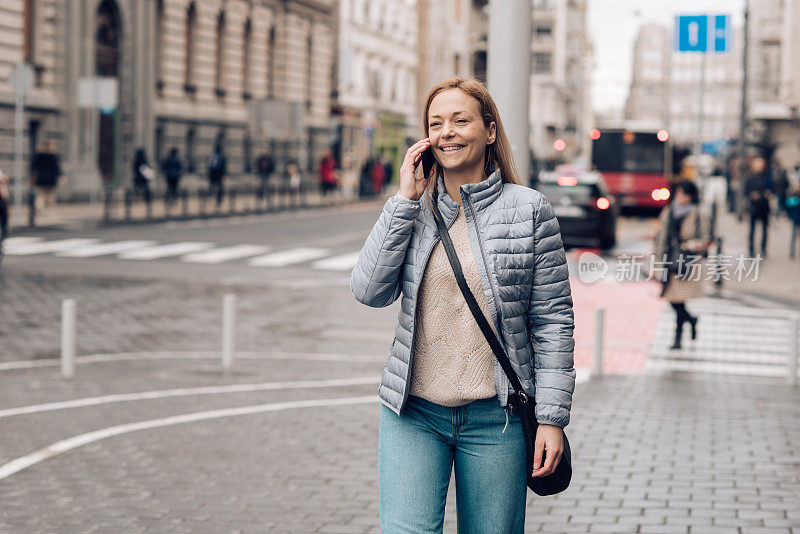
(453, 363)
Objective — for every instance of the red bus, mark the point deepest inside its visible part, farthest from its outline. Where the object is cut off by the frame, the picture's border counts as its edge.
(633, 164)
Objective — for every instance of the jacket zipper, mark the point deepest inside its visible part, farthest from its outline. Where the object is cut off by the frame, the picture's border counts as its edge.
(489, 279)
(414, 322)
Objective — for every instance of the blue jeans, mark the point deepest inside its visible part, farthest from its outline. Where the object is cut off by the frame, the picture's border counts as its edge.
(417, 451)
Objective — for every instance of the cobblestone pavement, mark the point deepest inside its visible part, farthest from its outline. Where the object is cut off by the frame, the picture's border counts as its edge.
(668, 453)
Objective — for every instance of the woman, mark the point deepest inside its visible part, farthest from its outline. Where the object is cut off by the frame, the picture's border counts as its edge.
(142, 175)
(443, 394)
(46, 172)
(681, 244)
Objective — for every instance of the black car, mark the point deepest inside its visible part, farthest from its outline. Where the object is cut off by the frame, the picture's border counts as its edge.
(586, 211)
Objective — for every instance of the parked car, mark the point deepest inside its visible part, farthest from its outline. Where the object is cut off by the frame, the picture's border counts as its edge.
(586, 211)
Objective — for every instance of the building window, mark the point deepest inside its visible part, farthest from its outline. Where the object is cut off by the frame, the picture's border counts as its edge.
(246, 51)
(189, 54)
(189, 150)
(544, 31)
(30, 31)
(542, 63)
(271, 62)
(456, 64)
(220, 58)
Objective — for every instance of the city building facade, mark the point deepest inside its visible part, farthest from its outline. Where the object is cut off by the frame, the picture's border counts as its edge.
(246, 75)
(377, 83)
(560, 79)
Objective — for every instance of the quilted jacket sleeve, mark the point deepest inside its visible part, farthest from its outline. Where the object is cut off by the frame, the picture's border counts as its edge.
(551, 320)
(376, 278)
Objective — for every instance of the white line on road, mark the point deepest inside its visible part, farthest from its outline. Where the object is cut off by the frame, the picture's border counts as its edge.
(344, 262)
(11, 241)
(288, 257)
(219, 255)
(165, 251)
(25, 249)
(104, 248)
(185, 392)
(23, 462)
(193, 355)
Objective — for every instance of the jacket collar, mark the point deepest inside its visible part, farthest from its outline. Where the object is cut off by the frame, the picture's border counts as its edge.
(480, 194)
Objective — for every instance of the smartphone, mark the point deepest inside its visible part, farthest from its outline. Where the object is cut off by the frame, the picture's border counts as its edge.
(427, 162)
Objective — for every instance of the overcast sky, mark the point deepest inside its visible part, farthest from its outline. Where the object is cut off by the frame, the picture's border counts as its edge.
(614, 24)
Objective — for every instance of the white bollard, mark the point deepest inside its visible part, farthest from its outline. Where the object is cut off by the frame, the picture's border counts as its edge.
(228, 328)
(68, 338)
(599, 314)
(794, 330)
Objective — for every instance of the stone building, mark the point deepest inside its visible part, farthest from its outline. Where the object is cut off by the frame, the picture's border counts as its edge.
(561, 78)
(377, 86)
(245, 74)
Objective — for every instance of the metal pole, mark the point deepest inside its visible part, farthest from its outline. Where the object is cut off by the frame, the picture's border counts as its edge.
(698, 147)
(599, 314)
(68, 338)
(509, 74)
(794, 330)
(19, 133)
(743, 113)
(228, 327)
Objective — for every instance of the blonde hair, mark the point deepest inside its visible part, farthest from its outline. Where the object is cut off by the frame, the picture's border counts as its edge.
(498, 153)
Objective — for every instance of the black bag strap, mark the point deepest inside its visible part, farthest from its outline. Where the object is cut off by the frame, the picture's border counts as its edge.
(488, 333)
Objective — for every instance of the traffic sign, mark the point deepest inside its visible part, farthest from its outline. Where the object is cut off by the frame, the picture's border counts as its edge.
(703, 33)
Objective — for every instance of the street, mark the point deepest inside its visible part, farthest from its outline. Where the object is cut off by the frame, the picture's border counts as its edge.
(285, 441)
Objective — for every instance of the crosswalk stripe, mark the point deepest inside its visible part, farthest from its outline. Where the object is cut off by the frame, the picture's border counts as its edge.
(717, 367)
(165, 251)
(11, 241)
(288, 257)
(25, 249)
(219, 255)
(343, 262)
(104, 249)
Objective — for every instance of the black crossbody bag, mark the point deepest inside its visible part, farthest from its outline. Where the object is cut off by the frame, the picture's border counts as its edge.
(518, 401)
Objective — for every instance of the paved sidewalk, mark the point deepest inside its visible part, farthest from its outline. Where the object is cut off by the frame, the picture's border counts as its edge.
(652, 454)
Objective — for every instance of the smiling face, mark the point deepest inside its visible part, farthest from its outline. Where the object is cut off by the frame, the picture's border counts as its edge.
(458, 135)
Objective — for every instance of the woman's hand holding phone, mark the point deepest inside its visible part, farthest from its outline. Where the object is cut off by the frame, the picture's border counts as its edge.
(412, 187)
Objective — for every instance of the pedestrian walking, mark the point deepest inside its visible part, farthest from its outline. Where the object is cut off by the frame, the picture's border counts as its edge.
(172, 169)
(378, 174)
(446, 398)
(265, 166)
(217, 168)
(758, 193)
(327, 172)
(5, 203)
(143, 174)
(792, 207)
(293, 180)
(682, 242)
(780, 182)
(46, 173)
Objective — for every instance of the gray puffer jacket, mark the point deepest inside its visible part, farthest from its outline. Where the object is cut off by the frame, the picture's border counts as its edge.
(520, 257)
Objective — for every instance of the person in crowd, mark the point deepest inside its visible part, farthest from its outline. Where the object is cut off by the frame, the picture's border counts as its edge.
(681, 243)
(217, 168)
(327, 172)
(143, 174)
(293, 180)
(265, 166)
(792, 207)
(172, 169)
(444, 396)
(758, 192)
(365, 179)
(378, 175)
(46, 173)
(5, 205)
(780, 181)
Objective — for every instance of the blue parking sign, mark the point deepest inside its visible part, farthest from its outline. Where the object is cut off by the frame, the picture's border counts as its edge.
(691, 33)
(703, 33)
(723, 33)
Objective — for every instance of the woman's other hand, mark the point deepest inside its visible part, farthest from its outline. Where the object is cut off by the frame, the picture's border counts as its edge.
(412, 187)
(549, 438)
